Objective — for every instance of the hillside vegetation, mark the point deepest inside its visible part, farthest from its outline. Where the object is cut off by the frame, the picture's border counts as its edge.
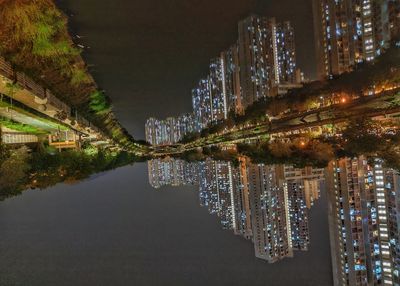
(34, 37)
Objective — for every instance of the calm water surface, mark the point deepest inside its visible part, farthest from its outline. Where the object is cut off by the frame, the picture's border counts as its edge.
(115, 229)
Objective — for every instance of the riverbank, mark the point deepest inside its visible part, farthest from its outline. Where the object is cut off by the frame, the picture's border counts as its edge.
(35, 40)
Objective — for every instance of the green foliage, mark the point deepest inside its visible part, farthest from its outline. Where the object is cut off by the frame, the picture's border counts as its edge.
(21, 127)
(70, 166)
(190, 137)
(79, 76)
(362, 136)
(14, 172)
(366, 137)
(34, 37)
(45, 167)
(192, 156)
(99, 104)
(4, 152)
(313, 153)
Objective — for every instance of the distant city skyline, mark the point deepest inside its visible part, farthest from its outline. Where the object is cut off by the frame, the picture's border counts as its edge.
(260, 64)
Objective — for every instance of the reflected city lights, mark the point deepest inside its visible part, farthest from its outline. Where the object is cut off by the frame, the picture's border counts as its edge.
(271, 204)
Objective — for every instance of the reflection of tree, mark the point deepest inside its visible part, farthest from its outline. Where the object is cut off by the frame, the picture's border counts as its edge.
(362, 136)
(296, 152)
(44, 167)
(366, 137)
(280, 149)
(14, 170)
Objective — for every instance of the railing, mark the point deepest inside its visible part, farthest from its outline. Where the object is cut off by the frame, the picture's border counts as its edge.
(18, 138)
(39, 91)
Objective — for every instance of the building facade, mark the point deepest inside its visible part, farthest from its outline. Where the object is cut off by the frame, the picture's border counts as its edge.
(170, 130)
(261, 64)
(231, 82)
(202, 104)
(363, 238)
(269, 213)
(256, 59)
(348, 32)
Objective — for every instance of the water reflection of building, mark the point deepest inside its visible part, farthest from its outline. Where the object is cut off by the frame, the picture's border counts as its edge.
(217, 187)
(279, 213)
(363, 222)
(270, 205)
(269, 212)
(303, 187)
(172, 172)
(267, 204)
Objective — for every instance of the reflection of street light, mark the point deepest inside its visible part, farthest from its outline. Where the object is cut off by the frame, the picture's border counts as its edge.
(302, 143)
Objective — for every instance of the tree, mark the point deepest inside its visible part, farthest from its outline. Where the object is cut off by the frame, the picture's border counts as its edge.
(14, 171)
(362, 136)
(280, 149)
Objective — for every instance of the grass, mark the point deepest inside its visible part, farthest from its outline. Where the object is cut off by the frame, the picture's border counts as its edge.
(49, 122)
(21, 127)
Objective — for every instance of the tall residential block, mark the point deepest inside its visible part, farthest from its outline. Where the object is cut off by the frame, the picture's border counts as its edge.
(256, 59)
(170, 130)
(231, 80)
(219, 108)
(348, 32)
(267, 58)
(362, 222)
(284, 52)
(202, 104)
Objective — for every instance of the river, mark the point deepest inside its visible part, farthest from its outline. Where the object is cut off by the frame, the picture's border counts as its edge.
(115, 229)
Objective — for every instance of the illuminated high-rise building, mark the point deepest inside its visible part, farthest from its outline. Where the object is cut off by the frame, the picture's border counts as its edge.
(231, 82)
(394, 19)
(261, 64)
(284, 49)
(170, 130)
(219, 108)
(298, 215)
(151, 131)
(256, 58)
(392, 192)
(348, 32)
(363, 239)
(267, 58)
(202, 104)
(217, 188)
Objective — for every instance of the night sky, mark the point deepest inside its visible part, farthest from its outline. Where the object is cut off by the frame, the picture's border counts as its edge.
(148, 55)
